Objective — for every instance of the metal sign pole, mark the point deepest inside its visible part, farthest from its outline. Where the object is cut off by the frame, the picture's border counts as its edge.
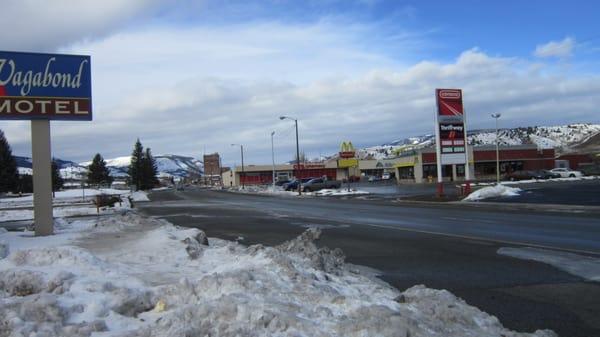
(42, 177)
(467, 190)
(438, 155)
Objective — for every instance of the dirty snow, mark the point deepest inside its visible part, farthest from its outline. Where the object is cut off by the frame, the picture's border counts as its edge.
(269, 190)
(583, 266)
(127, 275)
(493, 192)
(339, 192)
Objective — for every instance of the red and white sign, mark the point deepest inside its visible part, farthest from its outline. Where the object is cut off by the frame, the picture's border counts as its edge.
(451, 133)
(449, 102)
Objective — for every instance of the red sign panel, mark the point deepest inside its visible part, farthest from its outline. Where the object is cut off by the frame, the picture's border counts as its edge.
(347, 154)
(449, 102)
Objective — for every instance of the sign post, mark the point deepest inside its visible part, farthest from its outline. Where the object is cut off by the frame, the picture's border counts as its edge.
(40, 88)
(347, 159)
(450, 134)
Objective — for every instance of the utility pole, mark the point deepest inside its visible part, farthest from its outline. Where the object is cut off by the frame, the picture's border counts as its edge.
(496, 116)
(273, 157)
(297, 153)
(242, 175)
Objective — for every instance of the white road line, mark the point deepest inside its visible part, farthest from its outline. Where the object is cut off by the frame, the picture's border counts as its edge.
(469, 237)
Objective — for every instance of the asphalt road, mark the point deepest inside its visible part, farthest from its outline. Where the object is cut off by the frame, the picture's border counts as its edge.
(442, 246)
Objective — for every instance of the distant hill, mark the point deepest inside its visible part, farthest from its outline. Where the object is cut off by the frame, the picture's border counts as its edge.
(168, 165)
(564, 138)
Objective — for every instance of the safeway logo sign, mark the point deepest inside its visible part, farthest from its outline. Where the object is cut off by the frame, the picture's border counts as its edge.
(449, 94)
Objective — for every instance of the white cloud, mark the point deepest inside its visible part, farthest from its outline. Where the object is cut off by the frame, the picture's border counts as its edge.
(183, 89)
(560, 49)
(39, 25)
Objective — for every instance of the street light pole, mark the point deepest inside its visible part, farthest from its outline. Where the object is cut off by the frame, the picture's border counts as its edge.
(273, 158)
(496, 116)
(243, 173)
(297, 152)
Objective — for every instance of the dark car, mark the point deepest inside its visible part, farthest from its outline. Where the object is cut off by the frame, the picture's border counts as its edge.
(319, 184)
(282, 182)
(293, 185)
(524, 175)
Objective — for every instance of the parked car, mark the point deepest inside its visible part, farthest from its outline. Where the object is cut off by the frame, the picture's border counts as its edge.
(282, 182)
(546, 174)
(319, 184)
(566, 173)
(374, 179)
(293, 185)
(523, 175)
(386, 176)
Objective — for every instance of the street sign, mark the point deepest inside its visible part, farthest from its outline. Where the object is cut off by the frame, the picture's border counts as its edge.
(45, 86)
(40, 88)
(450, 132)
(450, 135)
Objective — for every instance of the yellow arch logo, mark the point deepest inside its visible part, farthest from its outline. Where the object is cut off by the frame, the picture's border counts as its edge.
(347, 147)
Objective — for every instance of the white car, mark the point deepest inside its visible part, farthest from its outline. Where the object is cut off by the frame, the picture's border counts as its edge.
(566, 173)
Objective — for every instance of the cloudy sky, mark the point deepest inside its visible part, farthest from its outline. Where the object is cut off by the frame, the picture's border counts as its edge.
(189, 77)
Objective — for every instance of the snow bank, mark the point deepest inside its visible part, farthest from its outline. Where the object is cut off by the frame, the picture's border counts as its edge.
(578, 265)
(493, 192)
(339, 192)
(281, 192)
(156, 279)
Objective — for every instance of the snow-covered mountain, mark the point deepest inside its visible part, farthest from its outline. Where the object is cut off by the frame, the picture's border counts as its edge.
(563, 138)
(168, 165)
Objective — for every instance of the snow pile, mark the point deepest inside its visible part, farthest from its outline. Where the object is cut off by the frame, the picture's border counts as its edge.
(339, 192)
(493, 192)
(583, 266)
(279, 191)
(155, 279)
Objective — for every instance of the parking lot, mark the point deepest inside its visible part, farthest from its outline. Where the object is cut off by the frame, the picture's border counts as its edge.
(586, 192)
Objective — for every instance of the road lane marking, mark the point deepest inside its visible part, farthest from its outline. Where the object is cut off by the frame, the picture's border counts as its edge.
(469, 237)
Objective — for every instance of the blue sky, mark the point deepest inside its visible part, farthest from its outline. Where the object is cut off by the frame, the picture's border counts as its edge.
(185, 76)
(506, 28)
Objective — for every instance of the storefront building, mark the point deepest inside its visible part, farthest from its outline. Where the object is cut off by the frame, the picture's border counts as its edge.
(410, 167)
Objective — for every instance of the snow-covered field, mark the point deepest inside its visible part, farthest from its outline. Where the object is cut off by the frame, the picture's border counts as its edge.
(66, 204)
(126, 275)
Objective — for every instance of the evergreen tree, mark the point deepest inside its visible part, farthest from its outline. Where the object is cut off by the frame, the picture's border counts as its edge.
(98, 173)
(149, 169)
(25, 184)
(135, 167)
(8, 167)
(57, 180)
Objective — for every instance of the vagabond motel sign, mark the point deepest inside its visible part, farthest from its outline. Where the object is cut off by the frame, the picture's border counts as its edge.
(45, 86)
(40, 88)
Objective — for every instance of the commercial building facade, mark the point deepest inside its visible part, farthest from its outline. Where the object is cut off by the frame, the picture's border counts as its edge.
(410, 167)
